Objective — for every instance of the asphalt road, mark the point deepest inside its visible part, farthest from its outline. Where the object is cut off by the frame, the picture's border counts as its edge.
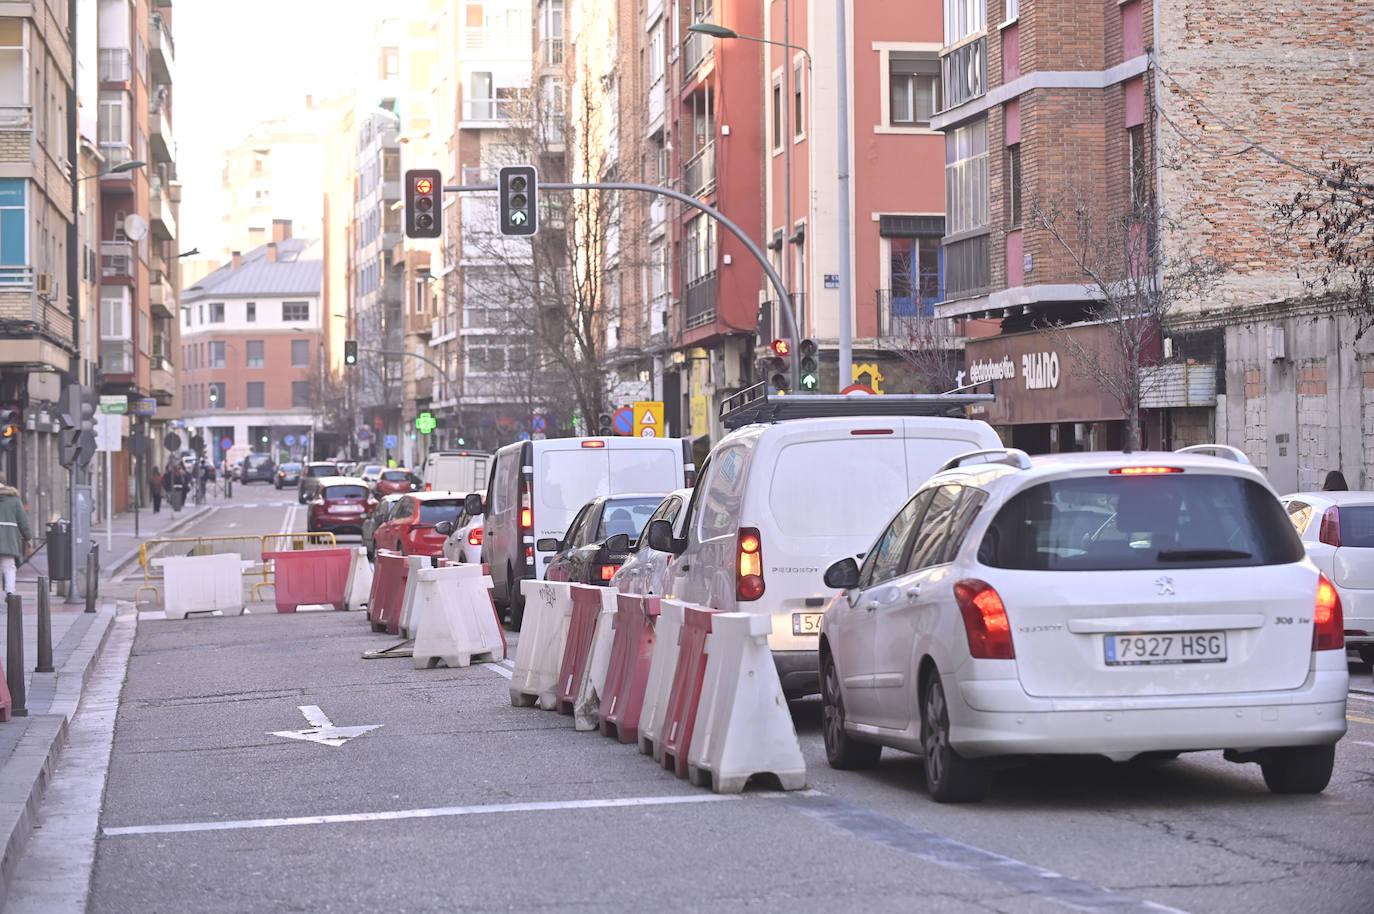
(457, 801)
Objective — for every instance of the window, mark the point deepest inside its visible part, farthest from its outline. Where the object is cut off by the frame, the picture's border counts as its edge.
(699, 249)
(295, 311)
(13, 230)
(1013, 179)
(216, 353)
(300, 394)
(656, 54)
(966, 177)
(217, 395)
(391, 63)
(300, 352)
(928, 546)
(777, 114)
(13, 68)
(255, 394)
(914, 265)
(253, 354)
(250, 312)
(1140, 172)
(884, 560)
(217, 312)
(798, 110)
(964, 18)
(913, 89)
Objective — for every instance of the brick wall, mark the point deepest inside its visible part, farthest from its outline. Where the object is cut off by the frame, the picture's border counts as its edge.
(1312, 439)
(1256, 413)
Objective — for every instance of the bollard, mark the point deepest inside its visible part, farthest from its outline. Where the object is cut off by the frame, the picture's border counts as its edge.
(14, 672)
(44, 629)
(92, 576)
(229, 484)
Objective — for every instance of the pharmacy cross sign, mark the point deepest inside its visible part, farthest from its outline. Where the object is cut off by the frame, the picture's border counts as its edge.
(424, 423)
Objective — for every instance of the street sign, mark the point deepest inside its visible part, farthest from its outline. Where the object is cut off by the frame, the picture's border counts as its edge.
(379, 423)
(389, 442)
(649, 419)
(144, 406)
(290, 440)
(171, 442)
(114, 405)
(537, 424)
(424, 423)
(364, 434)
(623, 421)
(226, 443)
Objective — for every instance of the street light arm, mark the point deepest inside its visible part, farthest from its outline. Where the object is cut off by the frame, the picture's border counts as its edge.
(715, 31)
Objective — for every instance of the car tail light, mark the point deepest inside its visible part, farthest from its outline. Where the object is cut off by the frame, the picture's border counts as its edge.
(985, 620)
(749, 565)
(1143, 471)
(607, 572)
(1330, 532)
(475, 536)
(1328, 631)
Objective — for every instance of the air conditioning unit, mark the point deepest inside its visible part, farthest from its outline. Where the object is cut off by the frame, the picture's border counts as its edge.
(45, 284)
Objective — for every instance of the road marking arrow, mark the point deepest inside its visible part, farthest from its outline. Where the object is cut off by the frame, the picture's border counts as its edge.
(322, 731)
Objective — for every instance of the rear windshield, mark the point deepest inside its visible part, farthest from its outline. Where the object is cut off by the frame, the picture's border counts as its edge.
(291, 467)
(395, 475)
(322, 469)
(1109, 523)
(257, 460)
(1357, 526)
(371, 468)
(345, 491)
(628, 516)
(431, 512)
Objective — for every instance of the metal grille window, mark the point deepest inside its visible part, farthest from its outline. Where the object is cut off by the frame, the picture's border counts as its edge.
(255, 394)
(300, 352)
(253, 354)
(216, 353)
(300, 394)
(1140, 173)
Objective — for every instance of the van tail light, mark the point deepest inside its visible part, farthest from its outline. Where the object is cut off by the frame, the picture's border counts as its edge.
(475, 536)
(1330, 532)
(606, 572)
(689, 477)
(1328, 624)
(749, 564)
(526, 520)
(429, 487)
(526, 505)
(985, 620)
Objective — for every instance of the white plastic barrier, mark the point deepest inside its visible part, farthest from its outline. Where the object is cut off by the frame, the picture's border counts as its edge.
(539, 652)
(202, 583)
(587, 709)
(743, 726)
(359, 580)
(452, 619)
(661, 667)
(416, 562)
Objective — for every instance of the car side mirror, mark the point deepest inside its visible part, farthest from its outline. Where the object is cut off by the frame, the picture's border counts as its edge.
(842, 575)
(444, 527)
(619, 544)
(547, 544)
(473, 504)
(659, 536)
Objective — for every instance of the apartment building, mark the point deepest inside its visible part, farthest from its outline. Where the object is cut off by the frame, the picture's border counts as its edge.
(253, 351)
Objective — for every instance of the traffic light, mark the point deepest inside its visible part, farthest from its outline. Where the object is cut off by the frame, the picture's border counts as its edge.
(780, 366)
(9, 428)
(350, 353)
(198, 443)
(604, 426)
(77, 419)
(518, 197)
(424, 203)
(809, 370)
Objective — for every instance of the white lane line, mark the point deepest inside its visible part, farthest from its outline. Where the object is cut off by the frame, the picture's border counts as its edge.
(1360, 742)
(431, 813)
(499, 670)
(289, 521)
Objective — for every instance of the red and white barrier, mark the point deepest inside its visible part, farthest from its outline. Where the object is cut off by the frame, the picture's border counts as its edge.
(667, 627)
(359, 581)
(628, 674)
(388, 590)
(451, 616)
(685, 697)
(308, 577)
(543, 634)
(743, 726)
(586, 710)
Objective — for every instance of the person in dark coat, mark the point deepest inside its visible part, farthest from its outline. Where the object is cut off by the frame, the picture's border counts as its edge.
(177, 483)
(155, 486)
(16, 535)
(1335, 482)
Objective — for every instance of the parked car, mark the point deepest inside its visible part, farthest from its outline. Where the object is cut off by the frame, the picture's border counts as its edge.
(288, 474)
(409, 529)
(645, 572)
(537, 487)
(311, 474)
(455, 471)
(258, 468)
(339, 504)
(464, 543)
(380, 514)
(1337, 529)
(999, 614)
(599, 539)
(237, 470)
(778, 501)
(390, 482)
(370, 472)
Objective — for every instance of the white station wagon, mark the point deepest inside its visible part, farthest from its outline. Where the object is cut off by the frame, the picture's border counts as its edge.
(1111, 604)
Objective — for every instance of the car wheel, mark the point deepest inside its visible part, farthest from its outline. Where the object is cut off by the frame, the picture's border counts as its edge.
(1298, 769)
(841, 750)
(950, 777)
(516, 599)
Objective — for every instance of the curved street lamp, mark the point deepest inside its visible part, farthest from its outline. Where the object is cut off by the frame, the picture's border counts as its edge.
(119, 169)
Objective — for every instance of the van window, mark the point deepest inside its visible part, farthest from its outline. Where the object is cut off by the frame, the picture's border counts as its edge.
(845, 487)
(507, 477)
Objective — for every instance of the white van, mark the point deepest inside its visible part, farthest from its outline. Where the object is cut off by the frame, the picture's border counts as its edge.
(537, 487)
(455, 471)
(779, 501)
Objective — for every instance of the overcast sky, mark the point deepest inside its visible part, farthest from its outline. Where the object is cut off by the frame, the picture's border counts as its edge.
(243, 62)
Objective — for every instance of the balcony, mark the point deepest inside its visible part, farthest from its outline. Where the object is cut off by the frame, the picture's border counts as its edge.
(551, 52)
(695, 50)
(512, 41)
(116, 261)
(117, 357)
(658, 214)
(116, 154)
(164, 224)
(161, 297)
(443, 328)
(699, 301)
(912, 319)
(115, 65)
(963, 72)
(553, 131)
(499, 110)
(161, 51)
(161, 376)
(699, 174)
(160, 133)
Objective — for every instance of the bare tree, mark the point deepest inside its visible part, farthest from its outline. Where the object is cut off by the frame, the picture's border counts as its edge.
(1333, 214)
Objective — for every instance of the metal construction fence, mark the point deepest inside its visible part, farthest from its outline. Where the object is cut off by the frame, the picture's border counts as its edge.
(251, 546)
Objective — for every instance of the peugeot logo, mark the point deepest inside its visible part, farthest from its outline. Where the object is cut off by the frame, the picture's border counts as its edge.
(1165, 585)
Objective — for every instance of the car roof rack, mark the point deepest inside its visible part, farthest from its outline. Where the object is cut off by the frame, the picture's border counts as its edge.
(753, 405)
(1009, 456)
(1219, 450)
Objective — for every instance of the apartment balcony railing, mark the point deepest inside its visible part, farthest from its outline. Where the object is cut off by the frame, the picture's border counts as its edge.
(16, 277)
(160, 132)
(160, 296)
(116, 260)
(695, 50)
(699, 300)
(490, 109)
(553, 129)
(116, 154)
(443, 327)
(161, 51)
(699, 174)
(551, 52)
(964, 72)
(483, 39)
(117, 356)
(114, 65)
(913, 319)
(164, 224)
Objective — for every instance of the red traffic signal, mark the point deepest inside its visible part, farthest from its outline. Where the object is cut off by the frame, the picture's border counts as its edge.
(781, 347)
(423, 203)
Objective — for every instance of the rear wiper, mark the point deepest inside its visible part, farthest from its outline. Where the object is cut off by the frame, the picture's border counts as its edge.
(1200, 555)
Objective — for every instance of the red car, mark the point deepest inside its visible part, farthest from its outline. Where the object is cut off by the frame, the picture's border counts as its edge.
(340, 505)
(410, 529)
(391, 482)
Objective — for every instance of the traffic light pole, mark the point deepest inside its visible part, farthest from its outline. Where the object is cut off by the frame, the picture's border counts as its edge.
(772, 274)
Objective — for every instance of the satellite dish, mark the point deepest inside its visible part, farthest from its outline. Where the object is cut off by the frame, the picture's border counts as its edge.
(135, 228)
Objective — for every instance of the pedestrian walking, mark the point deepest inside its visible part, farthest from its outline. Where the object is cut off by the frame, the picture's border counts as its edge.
(155, 486)
(1335, 482)
(177, 483)
(16, 536)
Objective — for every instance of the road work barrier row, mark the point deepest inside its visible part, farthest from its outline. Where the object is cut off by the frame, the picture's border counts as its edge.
(445, 608)
(691, 686)
(251, 548)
